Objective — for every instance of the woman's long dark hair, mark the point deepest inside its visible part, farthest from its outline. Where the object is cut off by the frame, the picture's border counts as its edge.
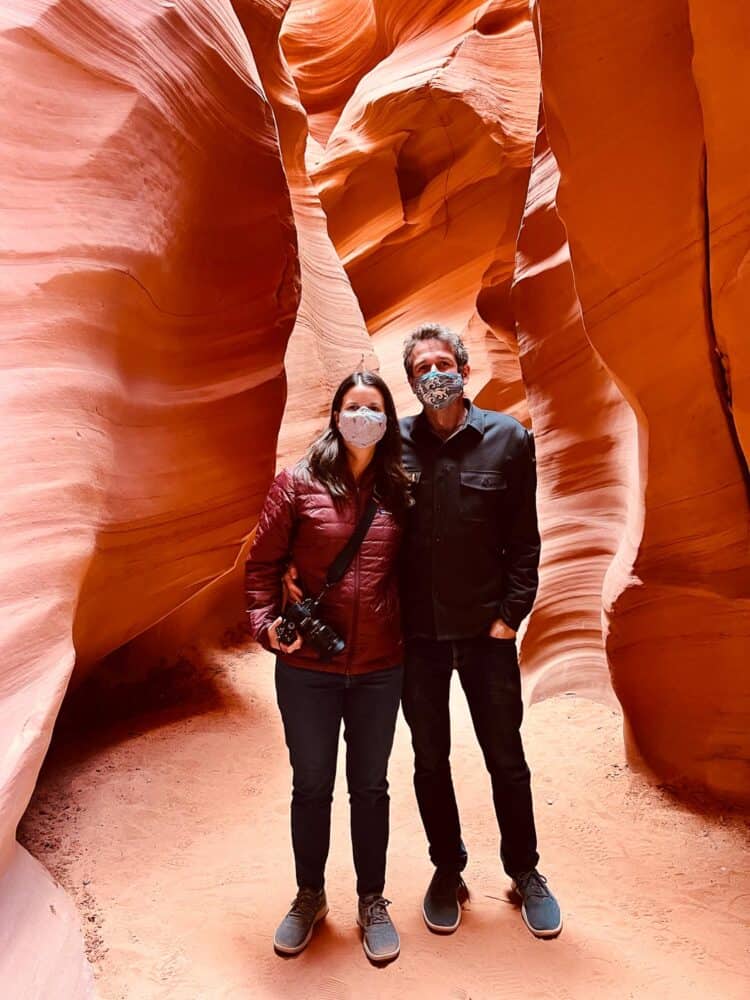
(327, 462)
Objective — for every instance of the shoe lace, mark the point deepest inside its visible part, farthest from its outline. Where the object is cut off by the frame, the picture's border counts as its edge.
(376, 910)
(305, 903)
(532, 883)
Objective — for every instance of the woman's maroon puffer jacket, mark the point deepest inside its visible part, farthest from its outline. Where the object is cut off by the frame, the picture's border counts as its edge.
(300, 523)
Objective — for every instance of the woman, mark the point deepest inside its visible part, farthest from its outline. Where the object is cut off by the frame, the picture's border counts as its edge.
(310, 514)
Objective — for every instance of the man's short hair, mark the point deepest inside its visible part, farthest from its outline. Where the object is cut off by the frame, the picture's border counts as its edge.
(435, 331)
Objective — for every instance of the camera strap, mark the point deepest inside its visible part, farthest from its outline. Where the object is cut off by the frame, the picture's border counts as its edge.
(341, 563)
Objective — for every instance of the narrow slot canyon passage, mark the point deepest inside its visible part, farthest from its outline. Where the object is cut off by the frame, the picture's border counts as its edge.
(215, 211)
(163, 810)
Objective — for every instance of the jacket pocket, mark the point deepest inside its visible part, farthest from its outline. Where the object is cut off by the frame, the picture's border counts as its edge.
(414, 476)
(483, 480)
(481, 493)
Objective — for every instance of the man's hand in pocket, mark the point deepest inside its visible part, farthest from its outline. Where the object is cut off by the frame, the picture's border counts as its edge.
(499, 630)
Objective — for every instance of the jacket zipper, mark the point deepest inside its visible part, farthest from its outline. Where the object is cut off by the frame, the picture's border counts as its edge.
(350, 652)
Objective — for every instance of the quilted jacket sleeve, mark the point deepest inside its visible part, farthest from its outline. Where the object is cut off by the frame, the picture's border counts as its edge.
(268, 557)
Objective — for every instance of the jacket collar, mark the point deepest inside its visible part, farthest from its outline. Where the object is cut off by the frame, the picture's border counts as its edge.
(474, 420)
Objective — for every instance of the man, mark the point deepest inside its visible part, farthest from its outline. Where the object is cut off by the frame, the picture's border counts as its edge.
(469, 577)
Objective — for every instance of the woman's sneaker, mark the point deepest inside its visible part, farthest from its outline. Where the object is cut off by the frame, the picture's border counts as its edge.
(379, 938)
(441, 908)
(539, 908)
(295, 930)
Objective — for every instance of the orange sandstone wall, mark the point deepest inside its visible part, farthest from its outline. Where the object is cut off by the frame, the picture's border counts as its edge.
(328, 341)
(179, 203)
(647, 244)
(721, 68)
(424, 172)
(586, 445)
(330, 46)
(150, 282)
(625, 323)
(330, 338)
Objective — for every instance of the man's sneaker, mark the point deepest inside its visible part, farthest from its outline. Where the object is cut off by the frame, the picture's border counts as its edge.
(295, 930)
(539, 908)
(380, 938)
(441, 908)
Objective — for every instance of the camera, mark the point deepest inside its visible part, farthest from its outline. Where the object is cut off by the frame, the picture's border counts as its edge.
(299, 618)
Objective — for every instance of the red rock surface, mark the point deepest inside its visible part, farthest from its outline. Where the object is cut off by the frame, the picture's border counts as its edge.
(330, 46)
(645, 547)
(149, 285)
(586, 443)
(330, 338)
(721, 34)
(178, 202)
(633, 201)
(424, 173)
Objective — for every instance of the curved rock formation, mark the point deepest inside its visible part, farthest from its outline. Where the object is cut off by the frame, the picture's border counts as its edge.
(722, 72)
(633, 200)
(586, 442)
(150, 283)
(330, 338)
(423, 177)
(168, 224)
(408, 167)
(330, 46)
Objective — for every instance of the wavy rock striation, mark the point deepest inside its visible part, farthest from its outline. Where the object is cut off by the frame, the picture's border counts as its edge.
(721, 34)
(586, 442)
(330, 338)
(180, 205)
(149, 284)
(440, 129)
(642, 234)
(330, 46)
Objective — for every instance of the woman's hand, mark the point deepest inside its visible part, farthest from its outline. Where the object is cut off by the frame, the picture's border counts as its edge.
(292, 591)
(499, 630)
(273, 639)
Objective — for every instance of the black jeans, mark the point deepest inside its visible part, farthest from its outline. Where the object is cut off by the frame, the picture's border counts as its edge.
(489, 674)
(313, 705)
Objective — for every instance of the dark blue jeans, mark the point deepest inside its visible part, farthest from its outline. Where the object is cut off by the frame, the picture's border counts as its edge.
(313, 705)
(489, 674)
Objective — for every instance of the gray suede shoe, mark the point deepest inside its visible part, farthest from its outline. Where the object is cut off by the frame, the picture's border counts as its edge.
(539, 908)
(295, 930)
(380, 938)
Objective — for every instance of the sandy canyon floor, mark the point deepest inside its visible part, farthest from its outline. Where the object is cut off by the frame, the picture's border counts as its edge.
(163, 810)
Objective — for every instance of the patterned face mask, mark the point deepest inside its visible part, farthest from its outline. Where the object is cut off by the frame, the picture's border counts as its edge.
(439, 389)
(363, 427)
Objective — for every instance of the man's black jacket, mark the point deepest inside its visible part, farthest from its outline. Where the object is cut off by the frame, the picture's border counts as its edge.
(471, 548)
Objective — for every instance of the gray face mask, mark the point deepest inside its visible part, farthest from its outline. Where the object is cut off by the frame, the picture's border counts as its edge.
(439, 389)
(362, 427)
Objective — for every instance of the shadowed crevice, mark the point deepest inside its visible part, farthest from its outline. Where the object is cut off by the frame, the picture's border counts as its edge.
(720, 364)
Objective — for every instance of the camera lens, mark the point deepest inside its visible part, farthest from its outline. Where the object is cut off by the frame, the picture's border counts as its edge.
(337, 646)
(325, 640)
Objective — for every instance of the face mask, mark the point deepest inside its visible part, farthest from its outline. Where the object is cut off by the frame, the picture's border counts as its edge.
(439, 389)
(363, 427)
